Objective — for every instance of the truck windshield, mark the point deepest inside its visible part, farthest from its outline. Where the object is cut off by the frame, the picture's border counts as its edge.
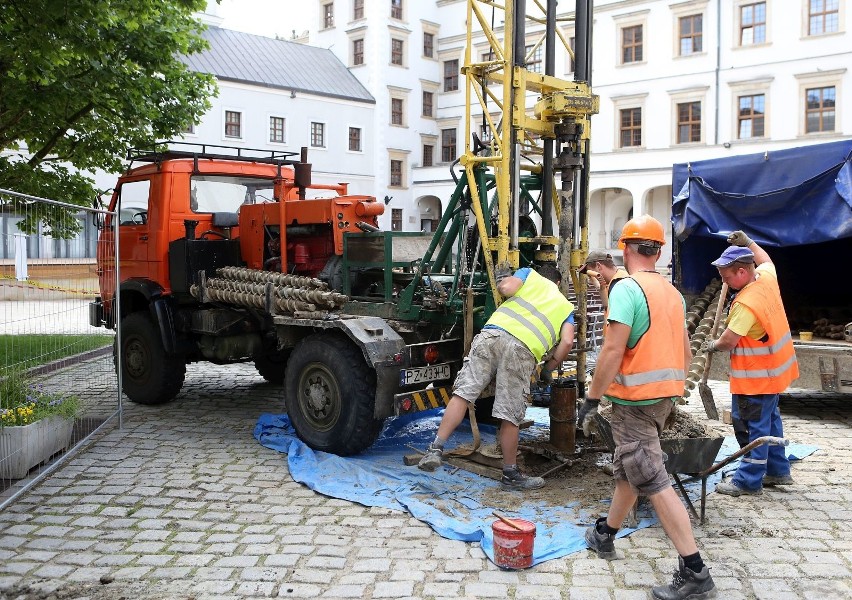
(222, 193)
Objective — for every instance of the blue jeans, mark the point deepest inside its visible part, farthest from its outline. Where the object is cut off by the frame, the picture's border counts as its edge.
(759, 416)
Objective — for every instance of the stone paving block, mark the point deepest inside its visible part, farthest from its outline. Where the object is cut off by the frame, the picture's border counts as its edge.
(581, 593)
(299, 590)
(88, 574)
(281, 560)
(263, 589)
(344, 591)
(215, 587)
(393, 589)
(631, 594)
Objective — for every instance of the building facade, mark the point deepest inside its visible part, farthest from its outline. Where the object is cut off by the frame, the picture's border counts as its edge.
(678, 82)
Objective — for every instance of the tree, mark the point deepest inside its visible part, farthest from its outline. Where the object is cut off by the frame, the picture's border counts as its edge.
(82, 82)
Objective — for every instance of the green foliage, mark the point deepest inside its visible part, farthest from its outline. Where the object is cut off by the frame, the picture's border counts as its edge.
(22, 401)
(82, 81)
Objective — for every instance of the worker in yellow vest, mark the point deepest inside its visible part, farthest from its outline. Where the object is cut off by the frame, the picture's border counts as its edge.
(534, 321)
(763, 363)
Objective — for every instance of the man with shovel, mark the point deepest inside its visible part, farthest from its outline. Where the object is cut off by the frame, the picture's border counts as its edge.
(642, 371)
(763, 363)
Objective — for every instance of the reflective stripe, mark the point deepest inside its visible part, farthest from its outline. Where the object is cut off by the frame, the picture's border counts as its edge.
(505, 310)
(764, 373)
(649, 377)
(762, 351)
(755, 461)
(538, 314)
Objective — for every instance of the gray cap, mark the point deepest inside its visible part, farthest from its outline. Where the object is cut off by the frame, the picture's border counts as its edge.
(595, 256)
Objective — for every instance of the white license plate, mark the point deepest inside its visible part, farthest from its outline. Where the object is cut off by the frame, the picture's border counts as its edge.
(422, 374)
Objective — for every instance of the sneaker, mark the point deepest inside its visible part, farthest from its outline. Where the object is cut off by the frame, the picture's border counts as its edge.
(773, 480)
(515, 480)
(729, 488)
(602, 543)
(686, 583)
(432, 459)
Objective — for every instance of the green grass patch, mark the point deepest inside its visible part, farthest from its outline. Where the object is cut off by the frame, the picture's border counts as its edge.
(27, 351)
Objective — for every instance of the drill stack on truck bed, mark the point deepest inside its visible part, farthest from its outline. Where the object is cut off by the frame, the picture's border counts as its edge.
(797, 204)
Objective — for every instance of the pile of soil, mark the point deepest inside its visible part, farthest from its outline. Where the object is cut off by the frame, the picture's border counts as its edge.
(684, 426)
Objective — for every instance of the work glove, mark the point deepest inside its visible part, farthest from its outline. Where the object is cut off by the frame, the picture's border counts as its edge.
(739, 238)
(587, 413)
(502, 271)
(708, 346)
(545, 375)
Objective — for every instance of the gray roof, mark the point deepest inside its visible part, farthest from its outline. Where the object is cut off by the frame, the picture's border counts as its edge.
(264, 61)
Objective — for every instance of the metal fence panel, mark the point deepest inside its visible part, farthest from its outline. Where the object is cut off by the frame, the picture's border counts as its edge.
(57, 377)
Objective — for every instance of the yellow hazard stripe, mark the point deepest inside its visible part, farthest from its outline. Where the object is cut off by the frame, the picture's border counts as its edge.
(431, 398)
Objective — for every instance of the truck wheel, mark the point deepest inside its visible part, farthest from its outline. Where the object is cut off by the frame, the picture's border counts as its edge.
(271, 366)
(149, 375)
(331, 395)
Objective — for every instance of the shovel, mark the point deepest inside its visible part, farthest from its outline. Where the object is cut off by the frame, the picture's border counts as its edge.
(704, 389)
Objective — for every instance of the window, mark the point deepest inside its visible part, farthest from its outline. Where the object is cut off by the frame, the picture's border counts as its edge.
(690, 32)
(688, 122)
(750, 116)
(396, 219)
(428, 45)
(396, 9)
(328, 15)
(631, 127)
(358, 52)
(451, 75)
(396, 173)
(190, 129)
(276, 130)
(823, 16)
(448, 145)
(396, 111)
(753, 24)
(572, 41)
(133, 202)
(318, 135)
(533, 62)
(233, 124)
(631, 44)
(819, 112)
(428, 155)
(428, 104)
(357, 10)
(396, 52)
(355, 139)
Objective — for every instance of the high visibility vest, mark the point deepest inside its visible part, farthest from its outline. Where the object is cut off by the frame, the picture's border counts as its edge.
(655, 367)
(535, 314)
(764, 367)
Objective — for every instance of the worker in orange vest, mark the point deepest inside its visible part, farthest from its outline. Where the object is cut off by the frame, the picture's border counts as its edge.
(763, 363)
(641, 369)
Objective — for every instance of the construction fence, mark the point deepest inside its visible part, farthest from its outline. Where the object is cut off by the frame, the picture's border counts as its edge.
(57, 379)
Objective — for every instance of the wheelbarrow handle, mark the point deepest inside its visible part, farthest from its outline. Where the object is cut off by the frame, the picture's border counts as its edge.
(767, 439)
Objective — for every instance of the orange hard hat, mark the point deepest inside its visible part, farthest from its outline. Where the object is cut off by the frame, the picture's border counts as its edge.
(642, 228)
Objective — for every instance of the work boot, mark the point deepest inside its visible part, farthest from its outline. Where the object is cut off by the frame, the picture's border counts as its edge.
(773, 480)
(686, 583)
(432, 459)
(515, 480)
(602, 543)
(729, 488)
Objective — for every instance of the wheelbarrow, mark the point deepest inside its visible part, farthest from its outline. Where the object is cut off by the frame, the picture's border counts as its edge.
(692, 457)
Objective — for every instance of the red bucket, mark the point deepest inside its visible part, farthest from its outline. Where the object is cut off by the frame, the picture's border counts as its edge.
(513, 548)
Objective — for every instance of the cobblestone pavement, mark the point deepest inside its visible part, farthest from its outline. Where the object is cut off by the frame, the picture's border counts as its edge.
(184, 503)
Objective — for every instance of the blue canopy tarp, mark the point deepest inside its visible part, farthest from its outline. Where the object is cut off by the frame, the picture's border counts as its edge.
(455, 503)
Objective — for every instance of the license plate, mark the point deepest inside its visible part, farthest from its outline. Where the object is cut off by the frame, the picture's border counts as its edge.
(422, 374)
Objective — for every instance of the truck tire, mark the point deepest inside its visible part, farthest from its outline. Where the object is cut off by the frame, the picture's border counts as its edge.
(330, 395)
(272, 366)
(149, 375)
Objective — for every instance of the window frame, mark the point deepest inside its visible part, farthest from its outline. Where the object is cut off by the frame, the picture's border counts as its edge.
(358, 5)
(428, 35)
(821, 79)
(355, 53)
(752, 116)
(397, 219)
(807, 15)
(360, 138)
(751, 87)
(397, 111)
(397, 10)
(449, 79)
(431, 104)
(821, 109)
(400, 53)
(692, 36)
(445, 157)
(690, 123)
(628, 102)
(327, 15)
(227, 123)
(692, 95)
(283, 139)
(536, 62)
(740, 28)
(640, 45)
(632, 129)
(322, 133)
(431, 147)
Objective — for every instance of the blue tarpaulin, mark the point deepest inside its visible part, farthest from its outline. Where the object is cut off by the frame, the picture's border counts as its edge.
(781, 199)
(452, 502)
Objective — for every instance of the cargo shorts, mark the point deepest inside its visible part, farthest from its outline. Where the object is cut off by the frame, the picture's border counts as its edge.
(497, 354)
(638, 457)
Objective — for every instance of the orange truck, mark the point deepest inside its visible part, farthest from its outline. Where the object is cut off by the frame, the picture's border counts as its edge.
(232, 255)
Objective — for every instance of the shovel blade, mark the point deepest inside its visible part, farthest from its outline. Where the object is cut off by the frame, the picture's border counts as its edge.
(707, 398)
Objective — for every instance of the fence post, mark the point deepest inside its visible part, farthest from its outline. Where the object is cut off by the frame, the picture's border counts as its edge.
(21, 256)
